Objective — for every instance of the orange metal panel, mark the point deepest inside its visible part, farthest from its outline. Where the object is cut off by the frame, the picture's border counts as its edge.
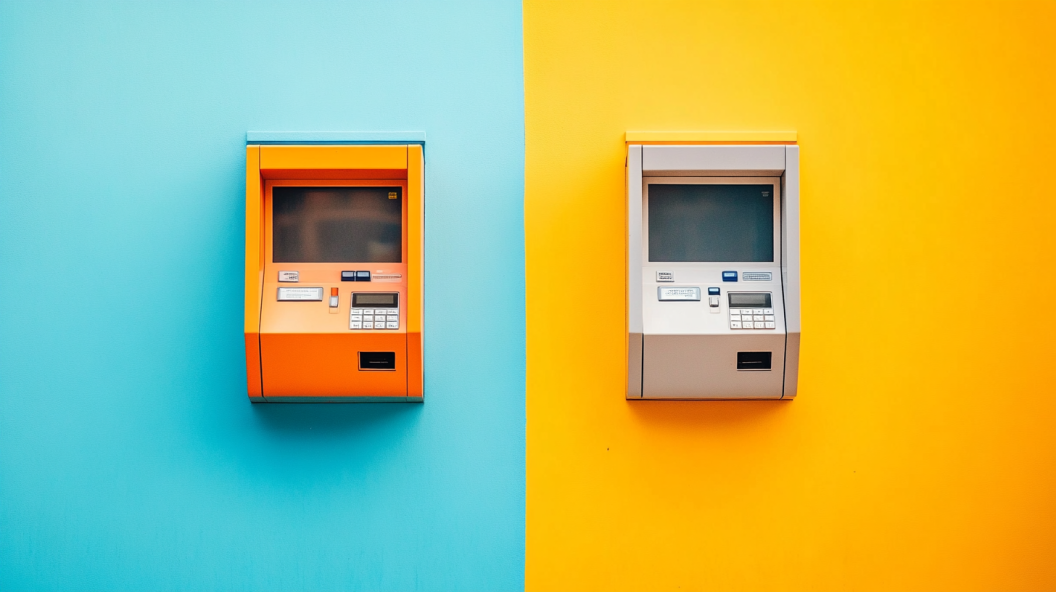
(304, 350)
(278, 174)
(312, 365)
(254, 270)
(415, 269)
(333, 157)
(308, 352)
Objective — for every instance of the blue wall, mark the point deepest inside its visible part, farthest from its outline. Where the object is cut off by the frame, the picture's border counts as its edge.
(130, 457)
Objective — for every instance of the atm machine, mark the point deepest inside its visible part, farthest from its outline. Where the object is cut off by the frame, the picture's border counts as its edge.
(712, 271)
(334, 284)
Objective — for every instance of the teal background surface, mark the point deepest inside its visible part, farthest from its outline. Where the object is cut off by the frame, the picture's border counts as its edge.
(130, 456)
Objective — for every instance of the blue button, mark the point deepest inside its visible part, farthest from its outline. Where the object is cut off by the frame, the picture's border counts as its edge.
(362, 276)
(348, 276)
(729, 276)
(713, 291)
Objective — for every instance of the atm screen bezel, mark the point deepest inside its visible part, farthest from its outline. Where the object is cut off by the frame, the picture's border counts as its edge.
(267, 226)
(774, 181)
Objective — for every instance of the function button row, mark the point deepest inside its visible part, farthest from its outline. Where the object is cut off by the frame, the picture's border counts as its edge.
(769, 311)
(373, 325)
(390, 311)
(752, 325)
(748, 317)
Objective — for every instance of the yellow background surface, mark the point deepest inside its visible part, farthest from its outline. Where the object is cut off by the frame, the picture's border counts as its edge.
(921, 452)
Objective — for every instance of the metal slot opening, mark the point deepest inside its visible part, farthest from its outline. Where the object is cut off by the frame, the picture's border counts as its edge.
(377, 360)
(753, 360)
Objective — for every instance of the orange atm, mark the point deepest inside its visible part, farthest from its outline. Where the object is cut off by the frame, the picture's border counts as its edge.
(334, 272)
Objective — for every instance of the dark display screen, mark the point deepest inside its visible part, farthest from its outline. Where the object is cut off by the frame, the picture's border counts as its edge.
(727, 223)
(337, 224)
(387, 299)
(750, 300)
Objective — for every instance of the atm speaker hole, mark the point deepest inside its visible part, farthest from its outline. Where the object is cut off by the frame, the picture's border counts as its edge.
(754, 360)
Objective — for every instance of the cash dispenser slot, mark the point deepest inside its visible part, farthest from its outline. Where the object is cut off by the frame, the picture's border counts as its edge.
(754, 360)
(377, 360)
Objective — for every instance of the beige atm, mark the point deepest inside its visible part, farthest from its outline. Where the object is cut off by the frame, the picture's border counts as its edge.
(712, 271)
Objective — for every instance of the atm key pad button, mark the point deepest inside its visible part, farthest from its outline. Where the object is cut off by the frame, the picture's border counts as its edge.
(752, 318)
(373, 318)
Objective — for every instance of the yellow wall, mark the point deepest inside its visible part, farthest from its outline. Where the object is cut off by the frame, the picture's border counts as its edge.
(921, 452)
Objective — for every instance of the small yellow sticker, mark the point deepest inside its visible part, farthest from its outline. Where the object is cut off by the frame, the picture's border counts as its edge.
(392, 195)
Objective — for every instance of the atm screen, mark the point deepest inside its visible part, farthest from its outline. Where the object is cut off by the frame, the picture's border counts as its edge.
(337, 224)
(695, 223)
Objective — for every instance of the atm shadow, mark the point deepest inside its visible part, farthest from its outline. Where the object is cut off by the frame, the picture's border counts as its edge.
(695, 415)
(324, 419)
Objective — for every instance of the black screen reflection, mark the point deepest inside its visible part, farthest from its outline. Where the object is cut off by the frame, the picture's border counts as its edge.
(337, 224)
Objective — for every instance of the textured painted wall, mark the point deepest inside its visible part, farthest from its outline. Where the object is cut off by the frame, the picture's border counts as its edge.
(130, 457)
(920, 453)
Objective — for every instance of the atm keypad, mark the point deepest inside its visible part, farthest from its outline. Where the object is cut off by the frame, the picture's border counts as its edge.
(752, 318)
(374, 318)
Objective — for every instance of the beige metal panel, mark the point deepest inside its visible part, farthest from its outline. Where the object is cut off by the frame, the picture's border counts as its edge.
(634, 239)
(791, 366)
(634, 366)
(713, 160)
(696, 318)
(705, 367)
(701, 136)
(790, 238)
(634, 272)
(790, 268)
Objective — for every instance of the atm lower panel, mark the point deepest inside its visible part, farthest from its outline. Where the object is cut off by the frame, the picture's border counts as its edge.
(326, 366)
(706, 367)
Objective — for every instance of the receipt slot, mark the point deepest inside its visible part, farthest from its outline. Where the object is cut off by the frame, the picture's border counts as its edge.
(334, 239)
(712, 271)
